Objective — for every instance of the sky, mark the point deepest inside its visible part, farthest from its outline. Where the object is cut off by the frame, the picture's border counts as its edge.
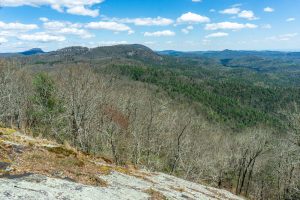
(185, 25)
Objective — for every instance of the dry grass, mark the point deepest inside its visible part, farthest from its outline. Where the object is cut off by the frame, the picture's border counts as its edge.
(178, 189)
(58, 163)
(39, 156)
(61, 150)
(6, 131)
(128, 170)
(155, 195)
(215, 196)
(4, 152)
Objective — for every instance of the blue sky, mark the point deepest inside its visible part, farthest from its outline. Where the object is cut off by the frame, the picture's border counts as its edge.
(160, 24)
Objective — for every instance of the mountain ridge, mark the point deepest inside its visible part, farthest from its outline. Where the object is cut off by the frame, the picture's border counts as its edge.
(210, 53)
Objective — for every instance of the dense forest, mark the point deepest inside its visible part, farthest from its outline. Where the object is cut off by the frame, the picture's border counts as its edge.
(226, 119)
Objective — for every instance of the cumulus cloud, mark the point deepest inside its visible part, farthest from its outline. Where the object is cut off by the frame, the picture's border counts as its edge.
(78, 7)
(44, 19)
(231, 11)
(290, 19)
(269, 9)
(247, 14)
(158, 21)
(149, 42)
(266, 26)
(66, 28)
(54, 25)
(69, 28)
(104, 43)
(187, 29)
(192, 18)
(159, 33)
(14, 29)
(75, 31)
(17, 26)
(81, 10)
(112, 26)
(283, 37)
(41, 37)
(3, 40)
(190, 27)
(216, 35)
(5, 33)
(109, 43)
(229, 25)
(235, 10)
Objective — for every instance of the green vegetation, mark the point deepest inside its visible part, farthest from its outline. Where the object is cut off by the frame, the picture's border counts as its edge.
(224, 121)
(232, 101)
(46, 104)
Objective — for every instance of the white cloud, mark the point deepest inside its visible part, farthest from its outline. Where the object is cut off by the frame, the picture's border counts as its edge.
(247, 14)
(218, 34)
(17, 26)
(159, 33)
(112, 26)
(3, 40)
(41, 37)
(77, 7)
(158, 21)
(266, 26)
(66, 28)
(269, 9)
(290, 19)
(196, 1)
(149, 42)
(235, 10)
(190, 27)
(103, 43)
(284, 37)
(237, 5)
(5, 33)
(192, 18)
(109, 43)
(54, 25)
(81, 10)
(44, 19)
(229, 25)
(75, 31)
(131, 32)
(14, 29)
(187, 29)
(212, 10)
(231, 11)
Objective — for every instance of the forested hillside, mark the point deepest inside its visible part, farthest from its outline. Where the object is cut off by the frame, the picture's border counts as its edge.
(224, 119)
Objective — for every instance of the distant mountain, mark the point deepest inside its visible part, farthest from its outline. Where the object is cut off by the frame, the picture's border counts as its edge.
(135, 51)
(171, 53)
(32, 52)
(126, 54)
(29, 52)
(231, 54)
(136, 54)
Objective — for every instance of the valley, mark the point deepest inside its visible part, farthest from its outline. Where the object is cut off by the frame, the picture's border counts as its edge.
(227, 119)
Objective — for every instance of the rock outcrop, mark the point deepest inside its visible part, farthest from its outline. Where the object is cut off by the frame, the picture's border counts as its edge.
(33, 168)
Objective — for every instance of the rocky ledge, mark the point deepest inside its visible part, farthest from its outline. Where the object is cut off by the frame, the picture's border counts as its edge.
(33, 168)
